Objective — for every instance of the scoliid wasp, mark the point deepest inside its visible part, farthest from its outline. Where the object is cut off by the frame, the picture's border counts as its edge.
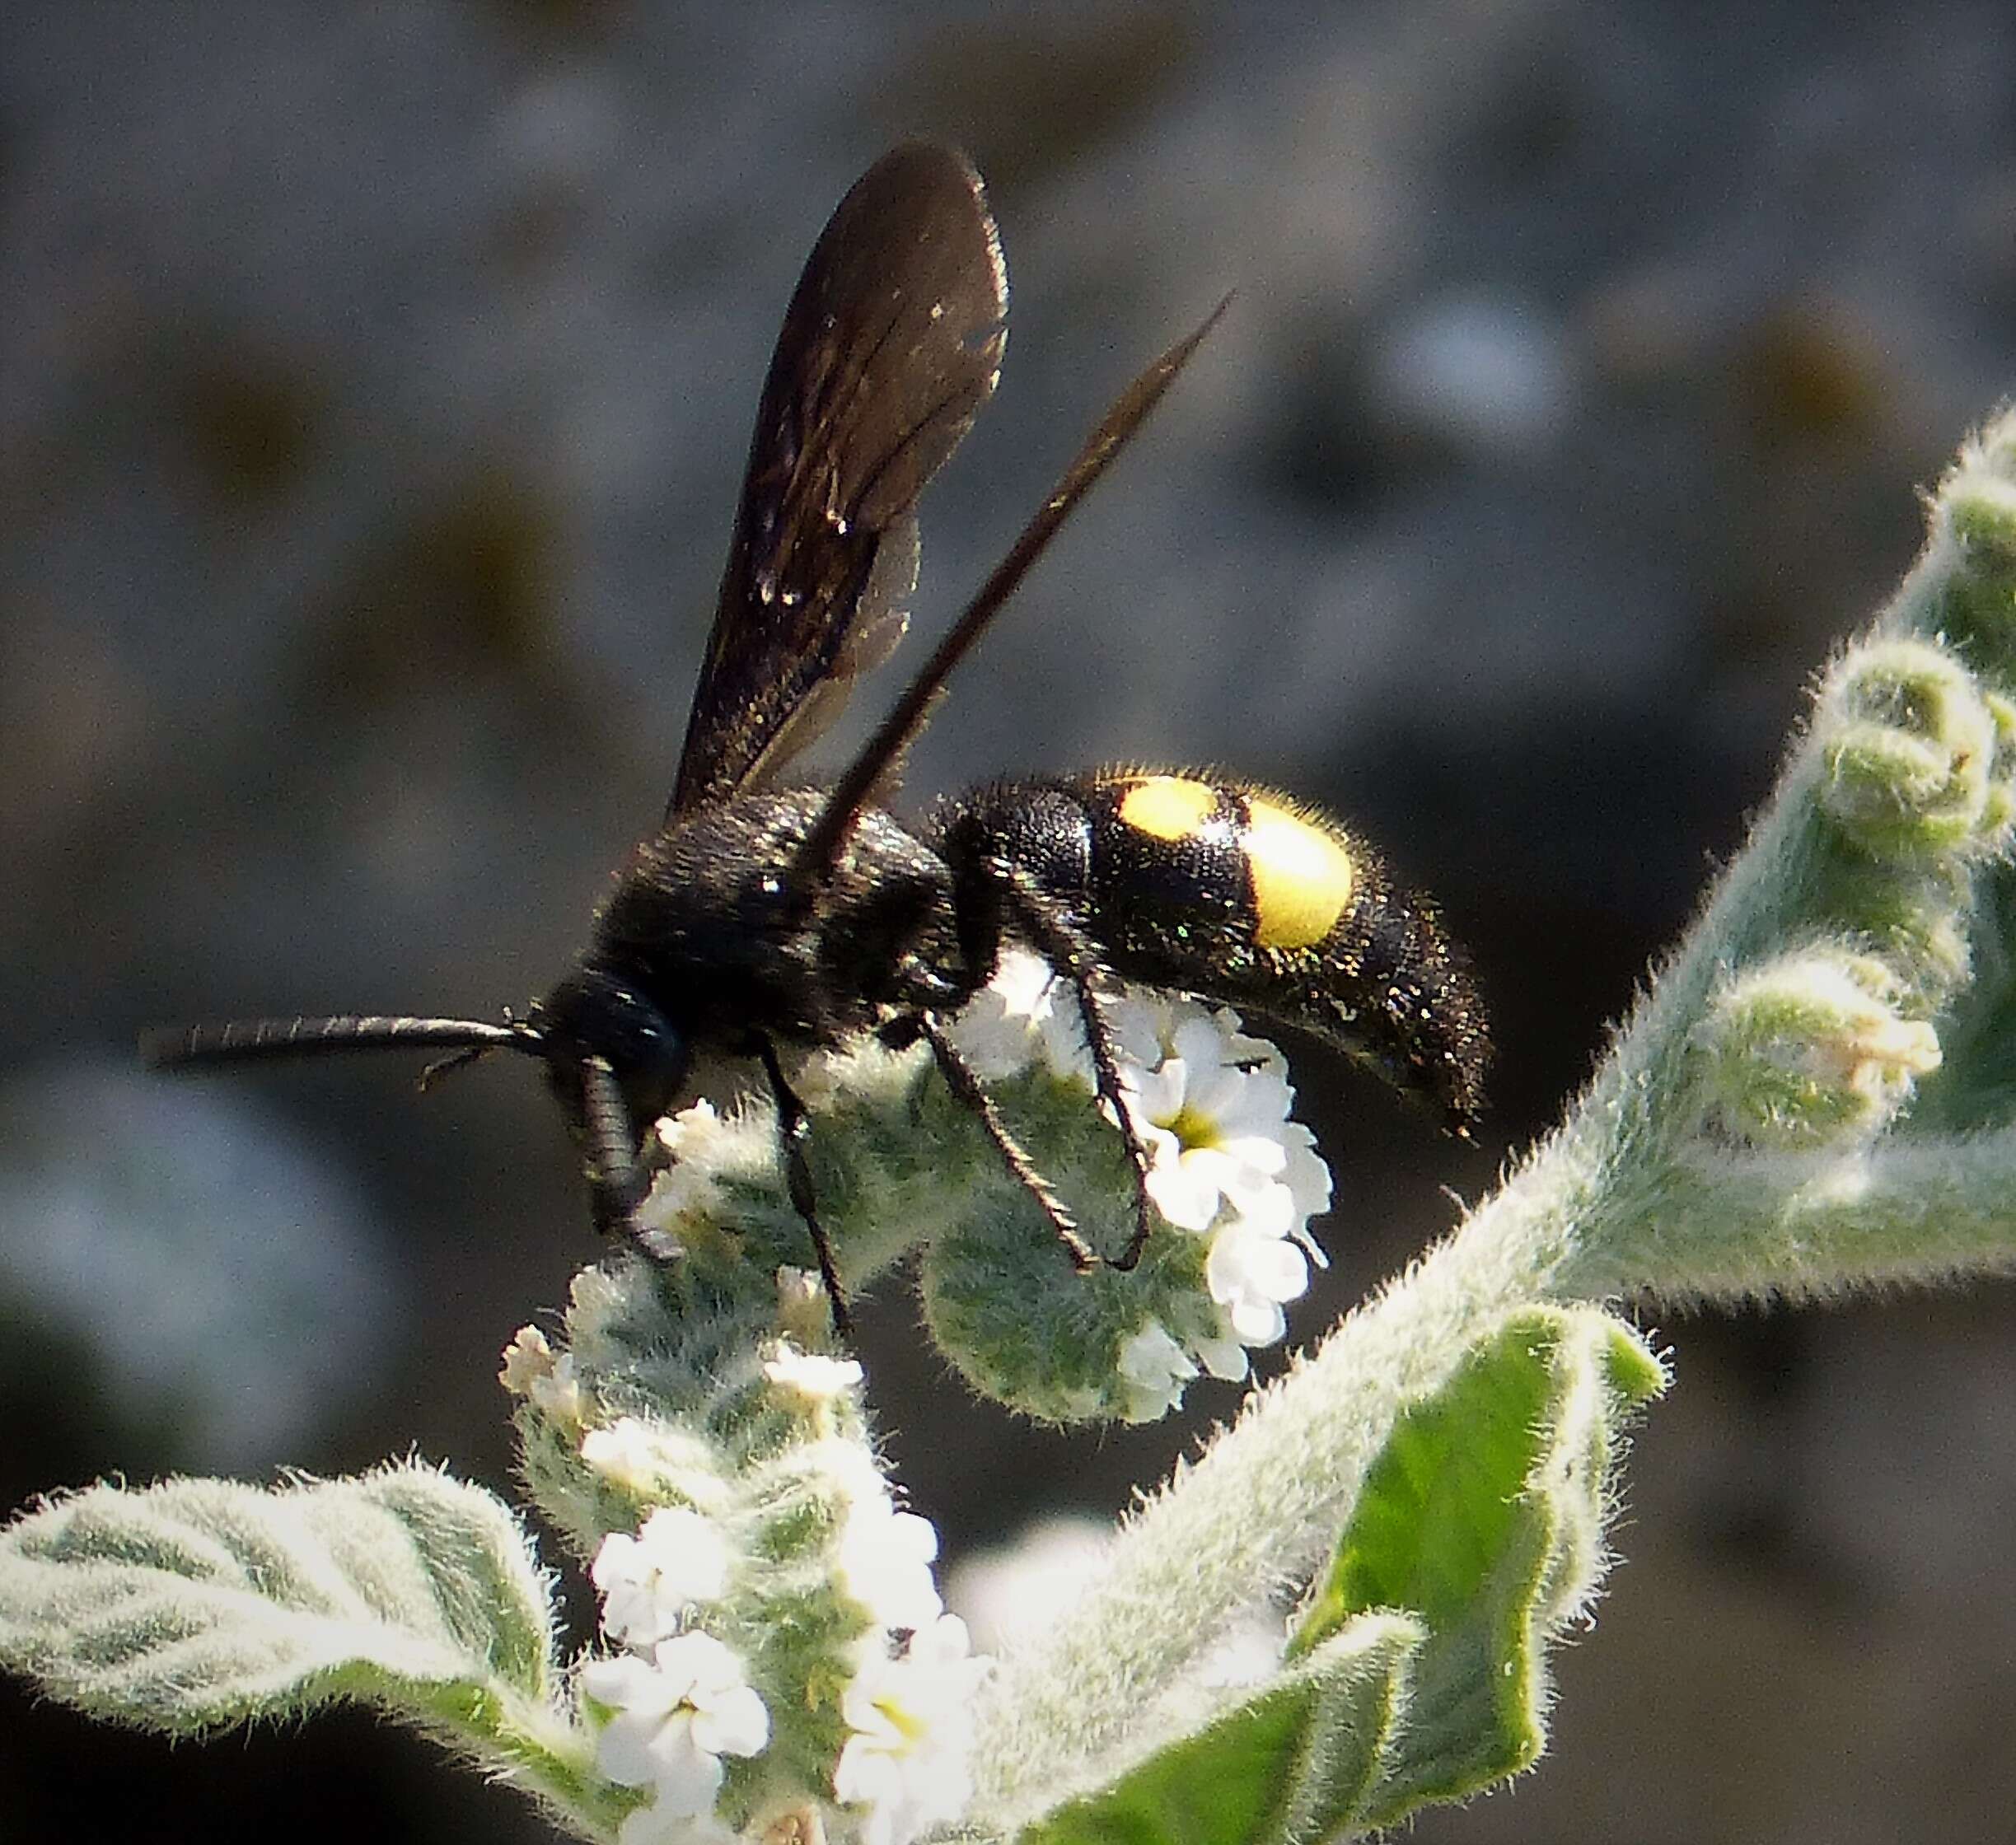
(762, 918)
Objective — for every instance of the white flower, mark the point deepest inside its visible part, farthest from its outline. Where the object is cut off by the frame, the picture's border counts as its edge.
(1251, 1270)
(689, 1186)
(544, 1378)
(811, 1374)
(1153, 1368)
(1212, 1119)
(1140, 1022)
(676, 1714)
(1223, 1355)
(648, 1581)
(908, 1758)
(559, 1394)
(1000, 1029)
(1307, 1181)
(653, 1825)
(594, 1299)
(657, 1462)
(529, 1355)
(883, 1561)
(628, 1453)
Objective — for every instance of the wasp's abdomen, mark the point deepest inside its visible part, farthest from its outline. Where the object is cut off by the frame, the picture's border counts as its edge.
(1236, 893)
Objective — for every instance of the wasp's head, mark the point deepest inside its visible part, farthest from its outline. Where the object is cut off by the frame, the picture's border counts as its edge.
(597, 1014)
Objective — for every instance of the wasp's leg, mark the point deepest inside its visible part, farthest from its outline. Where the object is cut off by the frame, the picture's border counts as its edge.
(967, 1089)
(791, 1128)
(1058, 938)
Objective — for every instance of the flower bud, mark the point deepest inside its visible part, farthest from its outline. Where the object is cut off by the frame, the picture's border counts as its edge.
(1979, 504)
(1911, 751)
(1811, 1050)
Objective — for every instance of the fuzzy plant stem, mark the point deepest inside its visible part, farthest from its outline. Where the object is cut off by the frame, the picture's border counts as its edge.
(1808, 1100)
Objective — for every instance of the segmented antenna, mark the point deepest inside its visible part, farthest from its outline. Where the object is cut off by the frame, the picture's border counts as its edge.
(252, 1040)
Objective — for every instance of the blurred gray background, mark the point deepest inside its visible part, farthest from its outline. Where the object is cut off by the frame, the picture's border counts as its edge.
(374, 383)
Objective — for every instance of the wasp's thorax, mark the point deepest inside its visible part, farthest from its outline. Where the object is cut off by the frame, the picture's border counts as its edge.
(710, 920)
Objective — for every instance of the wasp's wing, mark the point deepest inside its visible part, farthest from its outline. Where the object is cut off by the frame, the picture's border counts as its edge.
(883, 753)
(891, 345)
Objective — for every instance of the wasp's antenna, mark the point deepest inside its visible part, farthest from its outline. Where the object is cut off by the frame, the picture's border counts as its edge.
(898, 730)
(251, 1040)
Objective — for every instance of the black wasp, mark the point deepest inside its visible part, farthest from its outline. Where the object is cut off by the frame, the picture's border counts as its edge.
(759, 916)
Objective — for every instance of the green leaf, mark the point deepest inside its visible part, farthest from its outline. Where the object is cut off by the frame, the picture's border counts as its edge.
(1483, 1517)
(197, 1604)
(1416, 1676)
(1280, 1767)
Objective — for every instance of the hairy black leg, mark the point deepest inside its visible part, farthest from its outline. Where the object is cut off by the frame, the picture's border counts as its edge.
(1060, 940)
(967, 1089)
(791, 1131)
(616, 1181)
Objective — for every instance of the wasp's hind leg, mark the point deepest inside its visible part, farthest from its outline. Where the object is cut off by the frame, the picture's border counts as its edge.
(971, 1094)
(1047, 925)
(791, 1128)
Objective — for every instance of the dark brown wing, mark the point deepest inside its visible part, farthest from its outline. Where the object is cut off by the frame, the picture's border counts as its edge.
(891, 345)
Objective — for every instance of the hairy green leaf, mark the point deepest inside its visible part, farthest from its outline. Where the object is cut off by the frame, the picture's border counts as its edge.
(1416, 1674)
(1483, 1518)
(197, 1604)
(1283, 1767)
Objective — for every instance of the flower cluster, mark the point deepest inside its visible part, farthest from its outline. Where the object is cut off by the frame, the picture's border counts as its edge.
(703, 1674)
(909, 1700)
(906, 1759)
(678, 1699)
(1210, 1104)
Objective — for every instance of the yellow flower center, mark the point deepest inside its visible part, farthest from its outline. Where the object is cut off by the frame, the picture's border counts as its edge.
(909, 1727)
(1191, 1127)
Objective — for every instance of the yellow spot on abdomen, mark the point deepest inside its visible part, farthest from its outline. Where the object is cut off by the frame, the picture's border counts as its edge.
(1167, 807)
(1302, 877)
